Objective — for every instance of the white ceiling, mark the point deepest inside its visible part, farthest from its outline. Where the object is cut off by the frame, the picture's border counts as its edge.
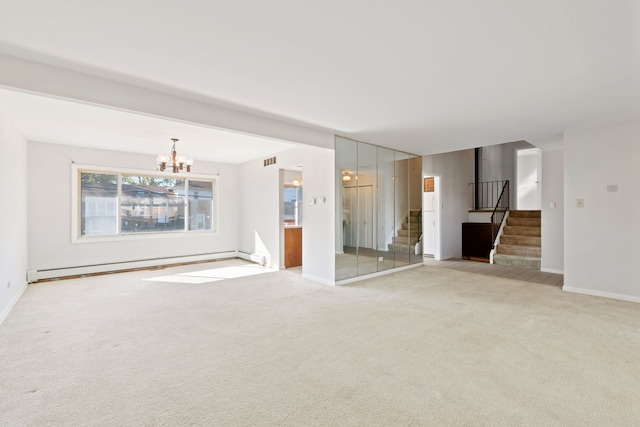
(62, 122)
(419, 76)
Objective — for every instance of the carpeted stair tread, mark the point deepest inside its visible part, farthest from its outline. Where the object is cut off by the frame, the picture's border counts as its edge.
(411, 226)
(525, 214)
(517, 261)
(508, 239)
(408, 235)
(521, 241)
(413, 233)
(514, 230)
(527, 251)
(405, 240)
(524, 222)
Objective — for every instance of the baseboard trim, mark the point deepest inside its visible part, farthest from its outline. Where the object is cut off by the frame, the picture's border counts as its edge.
(551, 270)
(12, 303)
(318, 279)
(377, 274)
(610, 295)
(35, 275)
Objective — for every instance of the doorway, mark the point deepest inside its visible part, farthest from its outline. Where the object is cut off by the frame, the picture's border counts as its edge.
(431, 229)
(291, 217)
(528, 175)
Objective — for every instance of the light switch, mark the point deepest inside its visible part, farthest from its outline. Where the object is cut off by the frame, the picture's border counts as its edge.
(312, 201)
(580, 203)
(552, 205)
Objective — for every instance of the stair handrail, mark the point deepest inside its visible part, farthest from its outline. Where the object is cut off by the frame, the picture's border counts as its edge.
(506, 206)
(503, 206)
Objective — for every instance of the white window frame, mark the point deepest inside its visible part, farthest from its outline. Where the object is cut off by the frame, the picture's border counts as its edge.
(76, 205)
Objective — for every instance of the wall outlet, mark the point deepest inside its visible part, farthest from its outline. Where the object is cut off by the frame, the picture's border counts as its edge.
(580, 203)
(380, 259)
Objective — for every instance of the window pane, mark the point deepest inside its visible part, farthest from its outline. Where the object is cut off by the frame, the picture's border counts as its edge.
(152, 204)
(99, 198)
(200, 205)
(293, 205)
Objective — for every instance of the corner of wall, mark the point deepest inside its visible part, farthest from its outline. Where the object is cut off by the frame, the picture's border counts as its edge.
(13, 222)
(12, 302)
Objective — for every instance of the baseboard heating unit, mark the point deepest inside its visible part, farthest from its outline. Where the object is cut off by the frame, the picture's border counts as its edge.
(57, 273)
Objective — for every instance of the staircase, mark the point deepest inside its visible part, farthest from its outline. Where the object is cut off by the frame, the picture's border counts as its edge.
(520, 243)
(408, 234)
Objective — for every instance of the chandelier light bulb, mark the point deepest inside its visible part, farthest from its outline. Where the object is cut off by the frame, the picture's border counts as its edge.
(178, 163)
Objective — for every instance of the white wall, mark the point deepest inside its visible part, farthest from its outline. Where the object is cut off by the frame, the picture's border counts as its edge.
(456, 171)
(50, 207)
(260, 210)
(58, 82)
(553, 217)
(601, 239)
(260, 228)
(13, 216)
(318, 253)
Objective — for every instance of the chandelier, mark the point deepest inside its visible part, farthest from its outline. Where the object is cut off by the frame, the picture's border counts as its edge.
(346, 177)
(298, 181)
(178, 163)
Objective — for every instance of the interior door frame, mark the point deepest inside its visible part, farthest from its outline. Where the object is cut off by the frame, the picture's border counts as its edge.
(538, 178)
(437, 213)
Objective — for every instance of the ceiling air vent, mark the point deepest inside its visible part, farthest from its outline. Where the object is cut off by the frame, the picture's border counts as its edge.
(270, 161)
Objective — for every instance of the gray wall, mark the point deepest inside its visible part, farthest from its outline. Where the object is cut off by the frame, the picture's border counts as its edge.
(553, 217)
(499, 164)
(456, 172)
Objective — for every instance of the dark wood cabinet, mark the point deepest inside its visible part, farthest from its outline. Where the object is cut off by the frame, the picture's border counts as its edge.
(477, 239)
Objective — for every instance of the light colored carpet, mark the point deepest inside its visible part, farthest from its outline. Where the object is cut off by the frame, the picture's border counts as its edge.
(426, 346)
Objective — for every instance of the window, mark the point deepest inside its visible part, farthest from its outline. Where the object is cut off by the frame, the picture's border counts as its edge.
(121, 203)
(292, 205)
(200, 205)
(151, 204)
(98, 203)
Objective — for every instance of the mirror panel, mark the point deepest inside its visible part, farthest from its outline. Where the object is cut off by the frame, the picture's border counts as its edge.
(346, 208)
(415, 204)
(402, 237)
(366, 217)
(385, 209)
(378, 208)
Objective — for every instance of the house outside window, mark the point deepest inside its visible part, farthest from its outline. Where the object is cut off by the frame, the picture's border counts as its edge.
(114, 203)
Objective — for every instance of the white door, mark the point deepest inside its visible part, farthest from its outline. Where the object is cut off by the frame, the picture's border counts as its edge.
(429, 204)
(365, 216)
(349, 216)
(528, 165)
